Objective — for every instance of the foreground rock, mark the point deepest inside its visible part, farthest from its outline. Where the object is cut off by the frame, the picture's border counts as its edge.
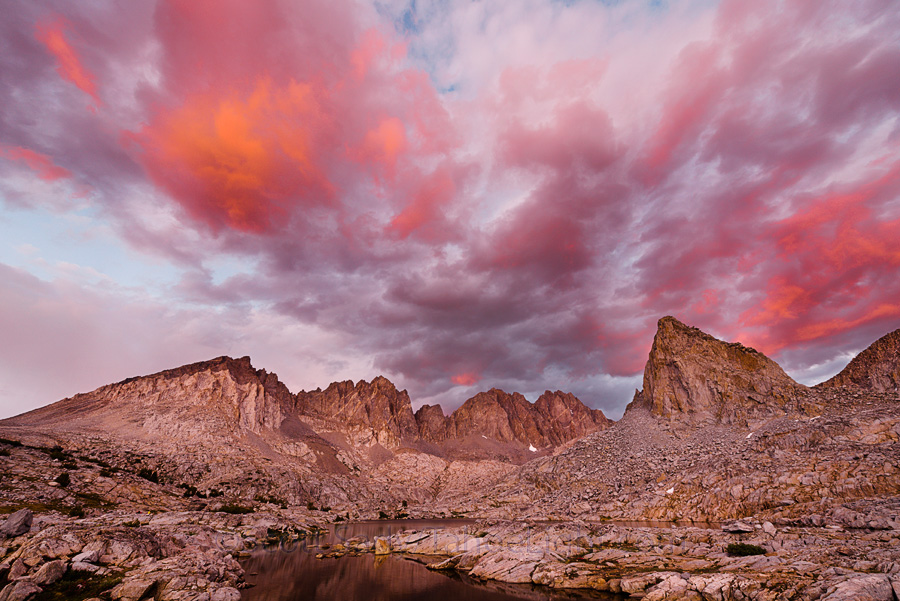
(170, 557)
(16, 524)
(670, 563)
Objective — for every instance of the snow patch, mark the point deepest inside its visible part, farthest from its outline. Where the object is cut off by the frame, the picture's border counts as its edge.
(532, 449)
(670, 491)
(749, 435)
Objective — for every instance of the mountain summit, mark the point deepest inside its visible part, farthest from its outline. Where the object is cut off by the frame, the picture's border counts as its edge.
(876, 368)
(692, 376)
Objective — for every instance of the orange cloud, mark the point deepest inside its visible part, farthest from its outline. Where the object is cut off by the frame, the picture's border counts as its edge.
(466, 379)
(68, 64)
(241, 160)
(385, 143)
(41, 164)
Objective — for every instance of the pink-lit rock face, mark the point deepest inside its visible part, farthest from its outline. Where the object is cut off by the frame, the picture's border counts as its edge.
(876, 368)
(691, 376)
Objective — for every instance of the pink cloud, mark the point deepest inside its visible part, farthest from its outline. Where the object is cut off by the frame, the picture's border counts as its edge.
(516, 190)
(41, 164)
(466, 379)
(52, 35)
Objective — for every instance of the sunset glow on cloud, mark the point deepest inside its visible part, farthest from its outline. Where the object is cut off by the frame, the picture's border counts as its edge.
(456, 195)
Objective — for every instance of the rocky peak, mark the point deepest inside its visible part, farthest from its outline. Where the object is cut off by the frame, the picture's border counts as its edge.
(370, 411)
(220, 394)
(877, 368)
(691, 376)
(555, 418)
(433, 425)
(566, 417)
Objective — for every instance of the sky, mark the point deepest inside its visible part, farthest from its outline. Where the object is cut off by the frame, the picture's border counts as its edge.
(459, 195)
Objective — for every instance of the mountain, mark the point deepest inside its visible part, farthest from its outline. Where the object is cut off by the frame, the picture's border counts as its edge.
(555, 418)
(505, 425)
(876, 368)
(370, 413)
(220, 397)
(224, 425)
(719, 431)
(692, 377)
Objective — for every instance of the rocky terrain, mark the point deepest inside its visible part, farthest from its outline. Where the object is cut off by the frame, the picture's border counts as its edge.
(740, 560)
(719, 432)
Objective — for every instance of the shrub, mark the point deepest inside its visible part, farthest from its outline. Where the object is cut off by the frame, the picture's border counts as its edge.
(310, 506)
(4, 452)
(132, 524)
(148, 474)
(70, 465)
(106, 473)
(63, 479)
(744, 549)
(76, 512)
(383, 516)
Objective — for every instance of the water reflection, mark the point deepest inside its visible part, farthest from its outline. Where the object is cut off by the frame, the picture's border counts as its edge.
(293, 573)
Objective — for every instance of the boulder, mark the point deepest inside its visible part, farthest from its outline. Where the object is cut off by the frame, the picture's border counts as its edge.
(92, 556)
(226, 593)
(738, 526)
(871, 587)
(382, 547)
(19, 591)
(17, 524)
(507, 565)
(132, 590)
(50, 572)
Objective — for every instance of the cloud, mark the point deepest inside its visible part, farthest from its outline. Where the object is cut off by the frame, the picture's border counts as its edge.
(39, 163)
(467, 194)
(52, 34)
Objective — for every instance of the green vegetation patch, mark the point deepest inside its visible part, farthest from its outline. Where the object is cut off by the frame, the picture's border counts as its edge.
(78, 586)
(744, 549)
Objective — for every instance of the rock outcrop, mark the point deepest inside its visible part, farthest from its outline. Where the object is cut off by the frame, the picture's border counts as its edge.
(555, 418)
(433, 425)
(691, 376)
(497, 424)
(223, 396)
(876, 368)
(370, 412)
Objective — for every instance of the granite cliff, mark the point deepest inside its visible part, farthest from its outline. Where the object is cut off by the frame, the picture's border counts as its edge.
(876, 368)
(692, 377)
